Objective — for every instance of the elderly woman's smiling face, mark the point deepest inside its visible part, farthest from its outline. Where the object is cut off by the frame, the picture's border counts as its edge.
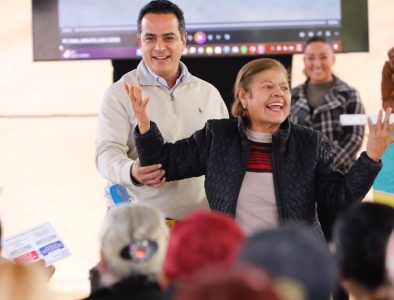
(267, 100)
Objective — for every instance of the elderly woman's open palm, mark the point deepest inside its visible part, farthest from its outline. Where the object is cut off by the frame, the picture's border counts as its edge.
(139, 107)
(380, 135)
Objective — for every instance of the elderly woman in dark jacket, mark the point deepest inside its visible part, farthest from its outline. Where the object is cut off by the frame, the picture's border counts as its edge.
(260, 167)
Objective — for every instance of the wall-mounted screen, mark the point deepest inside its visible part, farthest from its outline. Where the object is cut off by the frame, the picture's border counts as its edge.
(102, 29)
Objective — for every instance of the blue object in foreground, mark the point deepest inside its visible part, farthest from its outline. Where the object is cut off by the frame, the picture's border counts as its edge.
(385, 180)
(119, 194)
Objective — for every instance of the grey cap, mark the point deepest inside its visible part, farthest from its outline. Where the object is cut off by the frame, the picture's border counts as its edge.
(134, 240)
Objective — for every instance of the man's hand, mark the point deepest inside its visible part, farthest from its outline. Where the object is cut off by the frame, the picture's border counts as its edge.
(379, 135)
(150, 175)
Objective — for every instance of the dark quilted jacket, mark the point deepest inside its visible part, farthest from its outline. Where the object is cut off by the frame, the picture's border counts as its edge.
(131, 288)
(303, 169)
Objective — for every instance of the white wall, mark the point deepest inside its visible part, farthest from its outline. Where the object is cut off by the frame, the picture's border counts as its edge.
(47, 170)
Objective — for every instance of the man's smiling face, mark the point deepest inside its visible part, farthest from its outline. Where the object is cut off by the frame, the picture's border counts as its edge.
(161, 44)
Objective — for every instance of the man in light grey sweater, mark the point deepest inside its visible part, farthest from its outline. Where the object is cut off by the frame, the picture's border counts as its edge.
(180, 104)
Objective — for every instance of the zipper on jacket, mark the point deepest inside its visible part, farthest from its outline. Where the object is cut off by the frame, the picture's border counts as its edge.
(244, 167)
(173, 103)
(275, 173)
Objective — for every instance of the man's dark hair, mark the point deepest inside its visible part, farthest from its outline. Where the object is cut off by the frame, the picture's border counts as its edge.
(162, 7)
(360, 236)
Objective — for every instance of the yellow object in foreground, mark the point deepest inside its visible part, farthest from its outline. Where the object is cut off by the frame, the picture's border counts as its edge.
(384, 198)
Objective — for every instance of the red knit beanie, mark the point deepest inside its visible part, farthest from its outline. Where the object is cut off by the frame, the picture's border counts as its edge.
(202, 239)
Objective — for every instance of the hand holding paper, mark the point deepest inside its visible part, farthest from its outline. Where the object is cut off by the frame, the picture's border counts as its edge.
(38, 243)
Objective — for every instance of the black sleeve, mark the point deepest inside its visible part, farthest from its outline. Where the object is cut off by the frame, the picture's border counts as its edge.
(183, 159)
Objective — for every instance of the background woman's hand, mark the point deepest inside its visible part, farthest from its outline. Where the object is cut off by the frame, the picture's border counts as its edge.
(139, 106)
(380, 135)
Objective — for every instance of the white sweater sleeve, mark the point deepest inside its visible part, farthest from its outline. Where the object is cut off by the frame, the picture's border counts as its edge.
(114, 140)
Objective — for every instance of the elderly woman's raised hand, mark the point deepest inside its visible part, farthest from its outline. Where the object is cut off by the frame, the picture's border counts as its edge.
(380, 135)
(139, 107)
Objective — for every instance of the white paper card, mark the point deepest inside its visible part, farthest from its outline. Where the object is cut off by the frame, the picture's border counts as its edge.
(360, 119)
(39, 242)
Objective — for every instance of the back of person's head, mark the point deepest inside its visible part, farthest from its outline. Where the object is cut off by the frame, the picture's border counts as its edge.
(23, 282)
(224, 284)
(162, 7)
(201, 239)
(245, 78)
(296, 253)
(360, 236)
(134, 241)
(390, 53)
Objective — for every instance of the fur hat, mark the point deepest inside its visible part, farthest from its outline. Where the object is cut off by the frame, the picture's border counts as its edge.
(202, 238)
(134, 240)
(294, 253)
